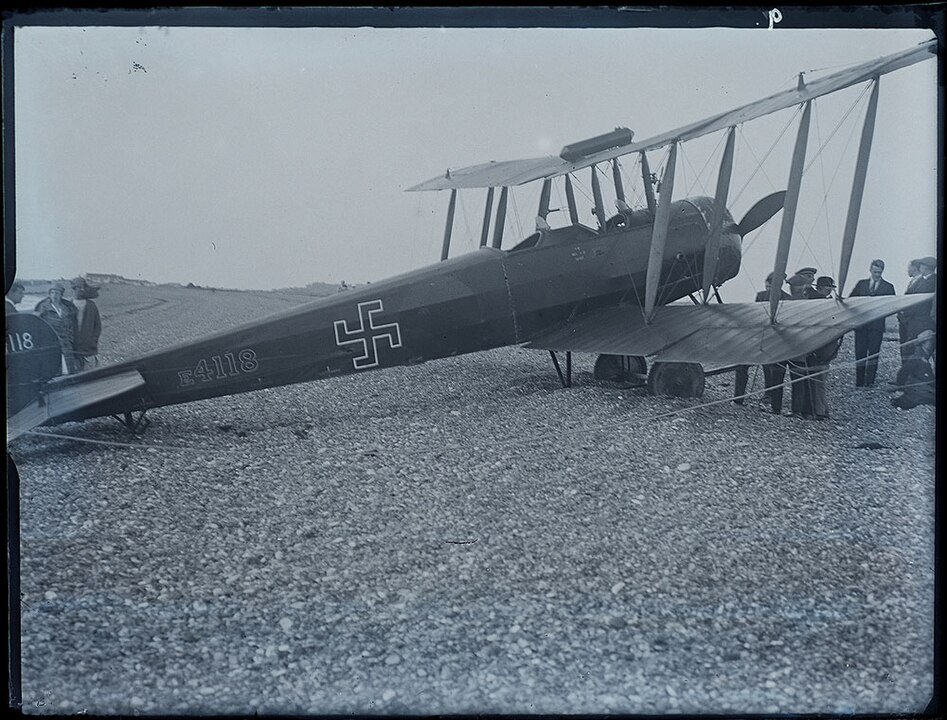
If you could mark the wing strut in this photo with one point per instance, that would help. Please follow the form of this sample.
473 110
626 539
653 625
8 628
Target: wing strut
659 235
544 198
570 198
720 206
616 177
501 218
597 196
646 179
445 248
487 209
789 211
858 187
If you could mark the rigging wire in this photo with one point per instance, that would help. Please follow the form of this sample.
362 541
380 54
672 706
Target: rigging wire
839 124
797 229
759 163
711 156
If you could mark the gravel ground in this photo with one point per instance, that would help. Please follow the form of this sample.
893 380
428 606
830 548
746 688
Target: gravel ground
466 536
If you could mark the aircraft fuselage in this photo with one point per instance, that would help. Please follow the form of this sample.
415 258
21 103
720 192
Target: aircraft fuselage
478 301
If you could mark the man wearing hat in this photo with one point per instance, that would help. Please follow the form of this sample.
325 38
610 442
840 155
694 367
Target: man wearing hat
88 324
868 337
808 391
60 315
914 274
824 287
808 274
773 375
799 286
917 319
817 362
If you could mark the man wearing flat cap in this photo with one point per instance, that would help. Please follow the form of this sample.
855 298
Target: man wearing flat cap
799 285
917 319
868 337
808 273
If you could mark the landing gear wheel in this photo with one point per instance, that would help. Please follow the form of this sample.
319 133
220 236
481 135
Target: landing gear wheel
620 369
674 379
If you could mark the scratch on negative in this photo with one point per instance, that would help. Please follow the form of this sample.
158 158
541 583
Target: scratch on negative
509 294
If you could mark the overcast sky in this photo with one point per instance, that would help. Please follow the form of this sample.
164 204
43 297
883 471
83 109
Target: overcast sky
271 157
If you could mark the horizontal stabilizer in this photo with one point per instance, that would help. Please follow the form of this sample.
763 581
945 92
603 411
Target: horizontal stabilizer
721 335
62 400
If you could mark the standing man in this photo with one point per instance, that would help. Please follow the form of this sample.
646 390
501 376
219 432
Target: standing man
817 362
14 296
914 275
88 325
808 273
799 286
60 315
800 391
773 375
868 337
919 318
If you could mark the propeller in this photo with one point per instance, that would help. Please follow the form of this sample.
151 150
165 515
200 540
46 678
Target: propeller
761 212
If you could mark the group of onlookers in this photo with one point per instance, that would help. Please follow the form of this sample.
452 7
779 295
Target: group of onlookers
77 322
78 325
808 374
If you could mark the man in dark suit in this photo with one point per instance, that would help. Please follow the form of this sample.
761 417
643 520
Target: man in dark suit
869 336
919 318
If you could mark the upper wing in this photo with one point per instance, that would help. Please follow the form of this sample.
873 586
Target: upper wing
62 400
517 172
721 335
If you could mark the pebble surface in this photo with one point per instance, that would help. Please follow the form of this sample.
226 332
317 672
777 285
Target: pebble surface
466 536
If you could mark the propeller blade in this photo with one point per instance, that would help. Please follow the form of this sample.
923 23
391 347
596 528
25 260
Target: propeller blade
761 212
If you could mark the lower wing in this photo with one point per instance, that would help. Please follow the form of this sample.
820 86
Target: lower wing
720 335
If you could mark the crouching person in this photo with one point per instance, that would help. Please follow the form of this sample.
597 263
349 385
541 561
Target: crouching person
916 377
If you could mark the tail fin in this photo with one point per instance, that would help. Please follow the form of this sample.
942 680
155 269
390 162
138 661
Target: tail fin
34 355
34 359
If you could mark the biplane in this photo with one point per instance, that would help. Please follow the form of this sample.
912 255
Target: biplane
607 288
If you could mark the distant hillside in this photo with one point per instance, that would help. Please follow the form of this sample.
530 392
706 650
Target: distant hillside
40 287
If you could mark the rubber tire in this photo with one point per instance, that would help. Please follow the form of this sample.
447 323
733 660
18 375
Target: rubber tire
676 379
